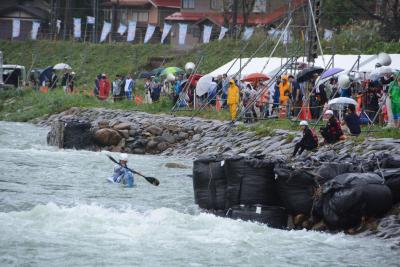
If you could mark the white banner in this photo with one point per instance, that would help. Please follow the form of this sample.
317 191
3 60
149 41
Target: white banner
35 30
149 32
207 34
122 29
328 34
16 28
77 27
222 33
287 37
167 28
131 31
105 31
182 33
248 32
90 20
58 26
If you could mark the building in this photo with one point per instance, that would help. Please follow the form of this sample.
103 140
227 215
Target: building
197 13
27 11
143 11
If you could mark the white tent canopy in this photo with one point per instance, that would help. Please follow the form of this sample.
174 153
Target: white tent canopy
340 61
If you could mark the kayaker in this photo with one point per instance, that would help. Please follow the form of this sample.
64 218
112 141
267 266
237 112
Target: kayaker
121 173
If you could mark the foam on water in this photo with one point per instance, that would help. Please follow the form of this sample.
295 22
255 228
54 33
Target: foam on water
56 209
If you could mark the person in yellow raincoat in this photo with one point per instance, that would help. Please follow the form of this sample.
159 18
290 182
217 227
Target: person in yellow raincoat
285 89
233 99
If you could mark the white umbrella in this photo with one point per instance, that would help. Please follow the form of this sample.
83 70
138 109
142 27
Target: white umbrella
203 84
62 66
340 102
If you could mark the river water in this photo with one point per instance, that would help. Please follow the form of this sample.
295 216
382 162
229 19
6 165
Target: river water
56 209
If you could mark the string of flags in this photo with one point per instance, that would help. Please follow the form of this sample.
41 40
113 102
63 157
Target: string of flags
130 31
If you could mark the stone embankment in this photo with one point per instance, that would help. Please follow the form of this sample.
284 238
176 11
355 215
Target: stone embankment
140 133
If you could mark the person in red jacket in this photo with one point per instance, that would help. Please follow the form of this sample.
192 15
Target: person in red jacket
105 87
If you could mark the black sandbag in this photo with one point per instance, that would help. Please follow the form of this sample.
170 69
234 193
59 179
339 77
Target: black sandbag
330 170
77 134
348 197
392 180
273 216
250 181
296 190
391 161
209 183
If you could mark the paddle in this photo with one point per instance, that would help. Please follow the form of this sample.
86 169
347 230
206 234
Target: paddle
152 180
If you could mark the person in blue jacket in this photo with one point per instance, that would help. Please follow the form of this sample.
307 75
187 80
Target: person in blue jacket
122 174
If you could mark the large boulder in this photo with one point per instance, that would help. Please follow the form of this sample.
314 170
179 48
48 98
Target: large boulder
154 130
107 137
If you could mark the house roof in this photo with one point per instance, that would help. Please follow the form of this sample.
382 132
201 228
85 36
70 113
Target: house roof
218 18
155 3
166 3
36 13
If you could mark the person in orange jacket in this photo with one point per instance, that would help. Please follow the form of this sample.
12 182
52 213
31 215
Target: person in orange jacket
233 99
105 87
285 89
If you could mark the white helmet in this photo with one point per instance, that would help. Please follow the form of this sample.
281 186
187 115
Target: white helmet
170 77
329 112
303 123
124 157
189 66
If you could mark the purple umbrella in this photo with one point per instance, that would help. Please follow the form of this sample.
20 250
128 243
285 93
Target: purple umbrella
331 72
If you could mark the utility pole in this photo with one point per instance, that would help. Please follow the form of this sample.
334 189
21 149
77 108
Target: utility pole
312 51
234 17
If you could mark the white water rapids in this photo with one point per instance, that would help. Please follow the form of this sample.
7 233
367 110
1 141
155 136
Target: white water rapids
56 209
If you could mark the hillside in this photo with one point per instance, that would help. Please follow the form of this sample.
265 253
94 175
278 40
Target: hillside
88 59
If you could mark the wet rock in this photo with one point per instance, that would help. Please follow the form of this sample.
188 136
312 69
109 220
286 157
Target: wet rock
107 137
151 145
122 126
103 124
138 151
174 165
162 146
154 130
124 133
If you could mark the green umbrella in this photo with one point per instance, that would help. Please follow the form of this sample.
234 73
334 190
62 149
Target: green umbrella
173 70
157 71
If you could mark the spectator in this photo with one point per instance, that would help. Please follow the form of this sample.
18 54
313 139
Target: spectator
97 85
105 87
352 121
225 86
116 88
129 83
296 95
394 94
276 96
332 132
309 141
262 100
156 89
147 91
233 99
53 80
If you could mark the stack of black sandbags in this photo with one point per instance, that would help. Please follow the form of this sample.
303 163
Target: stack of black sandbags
273 216
348 197
250 181
209 183
296 189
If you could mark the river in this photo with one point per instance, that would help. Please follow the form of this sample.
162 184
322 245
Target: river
56 209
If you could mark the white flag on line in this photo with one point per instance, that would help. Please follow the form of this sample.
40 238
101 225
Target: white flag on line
287 37
16 28
131 31
90 20
182 33
58 25
222 33
248 32
77 27
166 30
122 29
207 34
105 31
149 32
35 30
328 34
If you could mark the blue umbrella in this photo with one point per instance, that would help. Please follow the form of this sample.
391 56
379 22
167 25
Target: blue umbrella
45 75
331 72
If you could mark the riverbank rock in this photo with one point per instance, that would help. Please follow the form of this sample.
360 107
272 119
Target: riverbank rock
107 137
